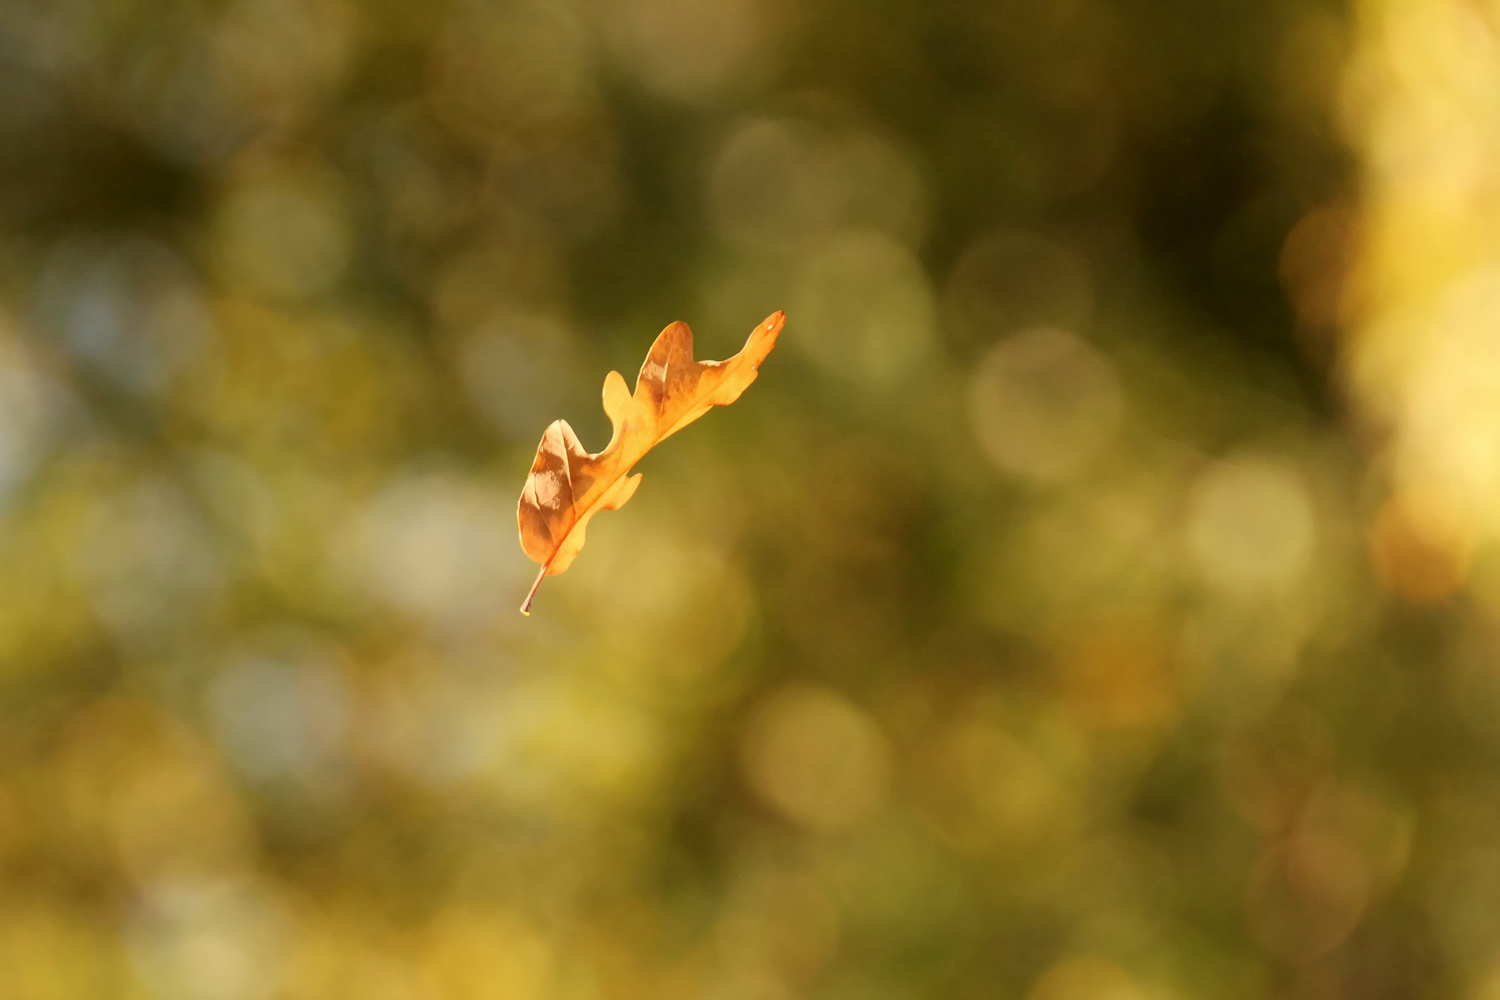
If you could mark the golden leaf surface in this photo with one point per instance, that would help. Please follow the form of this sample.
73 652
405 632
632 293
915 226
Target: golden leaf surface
568 486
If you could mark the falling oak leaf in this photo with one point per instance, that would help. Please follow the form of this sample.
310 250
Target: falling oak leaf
567 485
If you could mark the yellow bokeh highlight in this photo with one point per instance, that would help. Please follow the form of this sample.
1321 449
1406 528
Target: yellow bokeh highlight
1419 104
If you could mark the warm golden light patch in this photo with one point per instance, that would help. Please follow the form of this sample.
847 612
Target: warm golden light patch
1120 676
1420 549
816 759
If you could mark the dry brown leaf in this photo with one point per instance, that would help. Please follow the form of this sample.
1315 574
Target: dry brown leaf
567 485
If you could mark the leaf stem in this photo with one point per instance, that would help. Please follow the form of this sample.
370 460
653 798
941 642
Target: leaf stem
526 605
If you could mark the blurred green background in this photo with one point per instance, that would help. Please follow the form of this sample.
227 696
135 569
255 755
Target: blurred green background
1094 599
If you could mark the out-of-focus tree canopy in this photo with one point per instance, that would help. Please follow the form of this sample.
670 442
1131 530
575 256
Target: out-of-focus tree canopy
1096 597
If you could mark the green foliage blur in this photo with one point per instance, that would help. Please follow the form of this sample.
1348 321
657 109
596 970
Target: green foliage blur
1036 626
